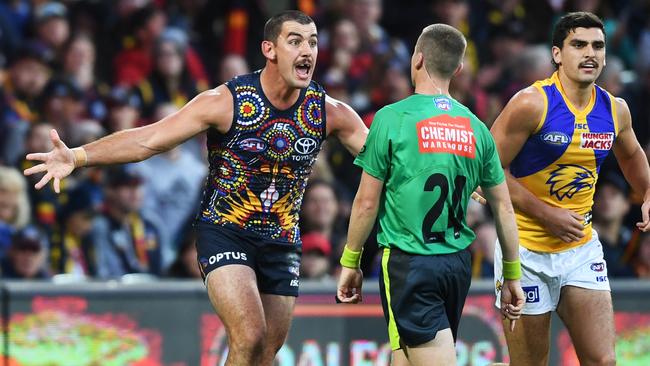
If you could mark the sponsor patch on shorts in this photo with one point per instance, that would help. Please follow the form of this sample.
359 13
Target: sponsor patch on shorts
532 293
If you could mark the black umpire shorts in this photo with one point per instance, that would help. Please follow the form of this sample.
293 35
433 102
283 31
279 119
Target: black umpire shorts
276 264
423 294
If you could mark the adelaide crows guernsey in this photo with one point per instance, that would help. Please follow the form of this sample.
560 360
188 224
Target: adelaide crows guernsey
560 161
259 168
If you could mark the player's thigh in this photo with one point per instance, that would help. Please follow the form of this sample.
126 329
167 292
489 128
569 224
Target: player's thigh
278 312
398 358
439 351
529 344
589 318
233 292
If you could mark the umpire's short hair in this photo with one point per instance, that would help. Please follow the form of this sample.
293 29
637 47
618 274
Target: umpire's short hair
443 48
273 26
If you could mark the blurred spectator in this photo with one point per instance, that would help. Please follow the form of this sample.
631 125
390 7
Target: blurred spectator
52 27
14 205
316 251
611 79
464 89
45 202
186 264
172 199
14 202
133 63
482 250
123 110
71 251
610 207
231 65
28 75
319 210
641 261
125 241
531 64
79 68
62 106
170 81
26 257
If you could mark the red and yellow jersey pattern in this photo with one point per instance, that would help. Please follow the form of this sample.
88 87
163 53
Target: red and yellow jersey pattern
560 161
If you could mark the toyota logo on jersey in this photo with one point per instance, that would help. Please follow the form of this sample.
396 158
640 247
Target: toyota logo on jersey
305 145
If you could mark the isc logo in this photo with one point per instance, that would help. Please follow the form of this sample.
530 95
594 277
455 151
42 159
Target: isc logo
556 138
532 293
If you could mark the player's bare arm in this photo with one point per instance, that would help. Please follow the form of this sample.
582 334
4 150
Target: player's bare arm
512 296
210 108
518 120
344 123
362 219
632 160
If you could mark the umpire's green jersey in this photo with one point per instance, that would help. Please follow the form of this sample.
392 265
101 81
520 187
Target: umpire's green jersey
431 152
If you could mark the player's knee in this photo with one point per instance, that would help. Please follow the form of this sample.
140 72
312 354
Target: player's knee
250 341
607 360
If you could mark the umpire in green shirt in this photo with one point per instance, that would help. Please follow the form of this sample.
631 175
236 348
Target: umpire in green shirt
423 158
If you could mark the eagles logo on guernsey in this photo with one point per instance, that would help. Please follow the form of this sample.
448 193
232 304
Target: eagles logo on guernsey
560 161
259 168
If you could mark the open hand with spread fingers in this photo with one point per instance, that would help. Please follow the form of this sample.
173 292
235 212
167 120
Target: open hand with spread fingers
57 164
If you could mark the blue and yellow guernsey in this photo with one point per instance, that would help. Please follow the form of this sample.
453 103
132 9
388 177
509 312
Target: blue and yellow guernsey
560 161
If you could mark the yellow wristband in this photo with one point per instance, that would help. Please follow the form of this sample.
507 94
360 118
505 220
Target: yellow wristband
350 258
80 157
511 270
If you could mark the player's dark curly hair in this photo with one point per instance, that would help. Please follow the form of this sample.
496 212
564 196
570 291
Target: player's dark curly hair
571 21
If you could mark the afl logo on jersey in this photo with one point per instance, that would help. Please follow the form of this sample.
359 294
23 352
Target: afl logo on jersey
556 138
305 145
442 103
253 144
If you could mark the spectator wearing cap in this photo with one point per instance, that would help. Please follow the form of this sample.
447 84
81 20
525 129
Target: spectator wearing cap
610 207
123 109
28 74
26 258
170 80
316 251
125 241
62 106
72 250
51 25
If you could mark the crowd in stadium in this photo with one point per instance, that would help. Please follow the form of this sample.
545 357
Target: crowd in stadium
91 68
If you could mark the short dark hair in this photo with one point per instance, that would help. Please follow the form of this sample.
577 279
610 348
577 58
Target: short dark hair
273 26
443 48
571 21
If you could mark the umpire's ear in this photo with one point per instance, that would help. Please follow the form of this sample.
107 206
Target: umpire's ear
268 50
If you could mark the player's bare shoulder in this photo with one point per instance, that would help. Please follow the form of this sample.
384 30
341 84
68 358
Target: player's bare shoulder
525 110
214 107
337 113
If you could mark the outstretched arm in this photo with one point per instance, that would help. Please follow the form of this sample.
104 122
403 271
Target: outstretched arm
633 161
210 108
518 120
344 123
